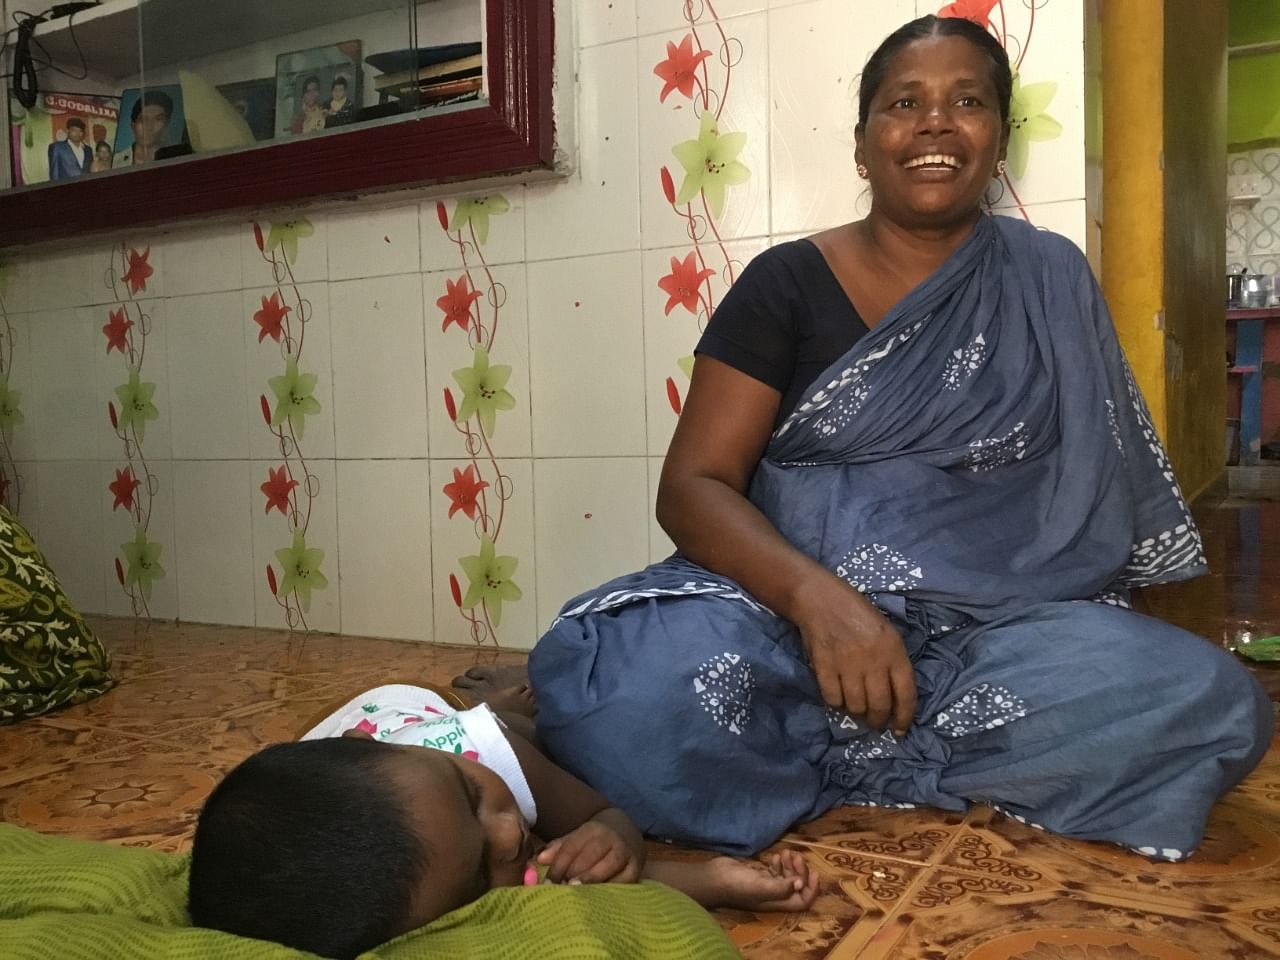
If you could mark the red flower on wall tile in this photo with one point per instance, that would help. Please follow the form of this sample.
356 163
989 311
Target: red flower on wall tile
682 283
123 487
139 270
456 303
277 489
117 331
463 491
271 317
979 11
677 71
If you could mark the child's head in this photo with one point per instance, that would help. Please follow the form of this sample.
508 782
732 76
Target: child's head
337 845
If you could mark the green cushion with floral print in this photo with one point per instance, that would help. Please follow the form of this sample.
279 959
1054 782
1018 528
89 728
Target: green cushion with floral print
49 658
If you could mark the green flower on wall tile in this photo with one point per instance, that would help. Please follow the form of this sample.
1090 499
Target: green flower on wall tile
1028 122
10 405
301 567
143 557
477 212
711 164
483 390
286 235
686 364
490 580
294 400
136 407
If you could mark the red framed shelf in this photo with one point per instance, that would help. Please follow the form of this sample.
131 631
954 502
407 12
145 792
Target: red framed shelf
510 133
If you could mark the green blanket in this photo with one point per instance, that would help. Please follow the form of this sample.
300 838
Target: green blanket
49 657
78 900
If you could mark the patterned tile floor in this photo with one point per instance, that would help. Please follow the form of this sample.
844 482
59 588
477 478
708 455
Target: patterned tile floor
134 766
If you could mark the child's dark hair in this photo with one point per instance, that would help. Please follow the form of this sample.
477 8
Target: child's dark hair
931 26
307 844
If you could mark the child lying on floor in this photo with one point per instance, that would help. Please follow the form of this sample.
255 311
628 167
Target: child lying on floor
354 834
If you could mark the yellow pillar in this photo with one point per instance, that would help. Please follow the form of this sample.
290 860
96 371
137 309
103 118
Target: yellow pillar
1133 188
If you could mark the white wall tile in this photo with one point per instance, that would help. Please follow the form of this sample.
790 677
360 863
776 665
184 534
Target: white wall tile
384 526
308 328
504 243
814 106
202 260
655 17
597 209
120 527
150 332
311 263
604 21
586 357
22 378
62 407
207 376
28 503
14 293
507 506
660 545
61 279
373 242
214 561
738 77
379 367
669 337
69 507
504 302
317 516
590 525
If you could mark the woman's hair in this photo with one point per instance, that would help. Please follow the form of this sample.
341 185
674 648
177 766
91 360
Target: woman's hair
309 845
931 26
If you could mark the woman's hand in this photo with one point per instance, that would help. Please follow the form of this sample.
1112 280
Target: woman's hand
859 658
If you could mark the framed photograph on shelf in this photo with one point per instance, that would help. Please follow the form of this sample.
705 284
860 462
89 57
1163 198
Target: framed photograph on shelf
256 102
318 88
152 122
64 136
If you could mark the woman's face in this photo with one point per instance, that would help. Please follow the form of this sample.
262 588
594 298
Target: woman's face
311 94
933 134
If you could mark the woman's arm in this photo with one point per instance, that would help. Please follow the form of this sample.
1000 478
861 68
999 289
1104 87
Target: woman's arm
858 657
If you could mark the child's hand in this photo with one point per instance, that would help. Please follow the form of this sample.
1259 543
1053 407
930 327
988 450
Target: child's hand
593 853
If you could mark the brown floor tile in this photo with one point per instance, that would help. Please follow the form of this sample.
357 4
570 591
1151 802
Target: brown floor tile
918 835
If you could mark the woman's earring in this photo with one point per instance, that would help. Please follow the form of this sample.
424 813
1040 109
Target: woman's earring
863 172
1000 167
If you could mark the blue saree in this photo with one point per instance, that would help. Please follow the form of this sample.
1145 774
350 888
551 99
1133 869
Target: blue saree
981 466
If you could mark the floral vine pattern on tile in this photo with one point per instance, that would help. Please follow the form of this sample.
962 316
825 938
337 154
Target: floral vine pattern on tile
710 163
1028 120
135 487
291 488
11 482
480 491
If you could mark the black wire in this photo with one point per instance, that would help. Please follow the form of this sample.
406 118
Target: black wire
25 85
26 66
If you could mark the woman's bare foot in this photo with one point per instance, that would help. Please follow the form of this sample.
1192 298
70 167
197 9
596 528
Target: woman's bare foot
486 678
782 883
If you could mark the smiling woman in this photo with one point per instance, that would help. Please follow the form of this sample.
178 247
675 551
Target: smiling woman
912 486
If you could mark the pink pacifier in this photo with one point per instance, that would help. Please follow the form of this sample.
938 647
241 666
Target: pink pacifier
531 876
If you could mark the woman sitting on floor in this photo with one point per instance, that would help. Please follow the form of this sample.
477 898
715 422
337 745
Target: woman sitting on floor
912 487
